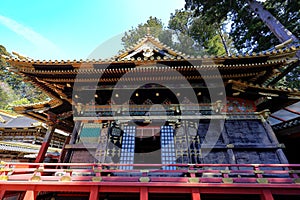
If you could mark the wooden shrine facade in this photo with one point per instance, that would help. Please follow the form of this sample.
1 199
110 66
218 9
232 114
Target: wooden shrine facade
21 138
152 117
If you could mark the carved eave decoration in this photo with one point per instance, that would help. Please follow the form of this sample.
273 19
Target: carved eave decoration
147 57
262 94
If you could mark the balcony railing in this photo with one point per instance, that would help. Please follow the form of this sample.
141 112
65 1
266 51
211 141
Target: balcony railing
152 173
264 180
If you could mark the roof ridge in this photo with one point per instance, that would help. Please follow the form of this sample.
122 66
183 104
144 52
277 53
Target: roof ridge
143 40
7 114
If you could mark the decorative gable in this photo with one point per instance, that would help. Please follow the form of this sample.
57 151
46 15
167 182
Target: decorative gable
147 48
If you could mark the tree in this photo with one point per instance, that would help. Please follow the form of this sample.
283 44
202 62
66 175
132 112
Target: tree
133 35
155 27
3 98
255 26
181 35
251 23
13 88
210 39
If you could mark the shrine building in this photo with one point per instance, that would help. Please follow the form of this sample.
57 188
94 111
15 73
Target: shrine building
154 123
21 138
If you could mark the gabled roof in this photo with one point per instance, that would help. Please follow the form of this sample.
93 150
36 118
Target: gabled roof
149 47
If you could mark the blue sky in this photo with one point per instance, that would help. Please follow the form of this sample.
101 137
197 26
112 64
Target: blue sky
65 29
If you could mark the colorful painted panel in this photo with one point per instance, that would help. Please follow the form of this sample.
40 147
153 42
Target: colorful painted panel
90 133
236 105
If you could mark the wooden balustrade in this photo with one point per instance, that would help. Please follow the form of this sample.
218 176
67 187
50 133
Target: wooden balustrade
187 178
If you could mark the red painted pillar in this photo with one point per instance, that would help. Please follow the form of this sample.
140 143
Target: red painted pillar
196 194
47 139
94 193
2 193
266 195
30 195
144 193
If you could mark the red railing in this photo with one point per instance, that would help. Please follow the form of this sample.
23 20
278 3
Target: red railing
184 173
109 177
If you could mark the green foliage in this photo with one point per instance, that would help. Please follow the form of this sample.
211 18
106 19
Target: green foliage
23 101
293 78
185 33
248 32
3 98
154 27
216 47
13 90
133 35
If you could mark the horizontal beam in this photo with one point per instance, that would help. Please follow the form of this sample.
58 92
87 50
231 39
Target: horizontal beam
158 188
245 116
81 146
88 145
11 165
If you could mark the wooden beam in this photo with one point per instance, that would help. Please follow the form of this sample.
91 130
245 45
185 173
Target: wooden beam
285 72
44 148
63 151
81 146
72 140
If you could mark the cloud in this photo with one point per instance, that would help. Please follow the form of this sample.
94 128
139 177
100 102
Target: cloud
29 34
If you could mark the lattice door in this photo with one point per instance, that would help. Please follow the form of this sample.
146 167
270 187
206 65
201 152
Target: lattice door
167 147
128 144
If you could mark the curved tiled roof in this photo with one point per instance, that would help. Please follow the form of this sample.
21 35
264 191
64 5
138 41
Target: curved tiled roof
275 54
16 121
286 118
245 84
57 77
287 124
23 147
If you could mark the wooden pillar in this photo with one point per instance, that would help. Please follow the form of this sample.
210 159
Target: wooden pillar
270 133
2 193
44 148
30 195
196 194
266 195
283 159
94 193
63 151
72 140
143 193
